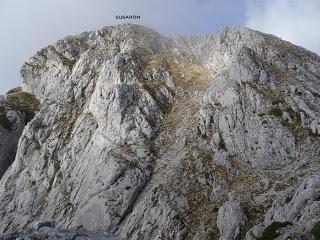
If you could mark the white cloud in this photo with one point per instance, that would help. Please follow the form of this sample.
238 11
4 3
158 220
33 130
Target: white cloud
296 21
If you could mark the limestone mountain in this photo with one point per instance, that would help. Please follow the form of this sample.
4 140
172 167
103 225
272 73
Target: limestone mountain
148 137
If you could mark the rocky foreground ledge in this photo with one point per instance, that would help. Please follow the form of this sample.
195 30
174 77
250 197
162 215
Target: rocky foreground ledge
148 137
46 230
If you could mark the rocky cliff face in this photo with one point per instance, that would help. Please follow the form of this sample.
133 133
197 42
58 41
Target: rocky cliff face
16 109
212 137
11 126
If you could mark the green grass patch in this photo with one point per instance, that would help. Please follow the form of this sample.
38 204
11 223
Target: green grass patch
204 136
275 111
66 61
205 155
288 199
222 144
317 198
271 232
294 115
315 94
316 231
23 102
17 89
277 101
217 104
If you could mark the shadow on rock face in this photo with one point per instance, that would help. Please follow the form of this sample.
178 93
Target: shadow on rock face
17 108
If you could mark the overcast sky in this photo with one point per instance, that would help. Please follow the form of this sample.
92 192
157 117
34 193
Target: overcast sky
29 25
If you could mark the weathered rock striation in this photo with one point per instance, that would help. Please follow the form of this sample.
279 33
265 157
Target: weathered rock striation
149 137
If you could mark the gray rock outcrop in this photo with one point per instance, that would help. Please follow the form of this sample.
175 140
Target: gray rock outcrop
231 218
144 136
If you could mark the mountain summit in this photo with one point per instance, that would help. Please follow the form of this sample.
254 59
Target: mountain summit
148 137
